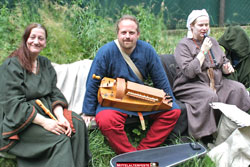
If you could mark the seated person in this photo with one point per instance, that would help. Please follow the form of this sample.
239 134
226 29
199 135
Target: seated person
109 62
237 45
200 78
26 130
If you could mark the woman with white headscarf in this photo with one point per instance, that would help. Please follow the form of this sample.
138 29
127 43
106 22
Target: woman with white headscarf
200 81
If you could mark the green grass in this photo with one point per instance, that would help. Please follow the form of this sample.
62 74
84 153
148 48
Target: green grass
7 162
76 33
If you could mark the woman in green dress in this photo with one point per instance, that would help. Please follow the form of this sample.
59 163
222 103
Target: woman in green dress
26 130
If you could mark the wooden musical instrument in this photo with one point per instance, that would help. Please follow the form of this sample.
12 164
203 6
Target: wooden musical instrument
131 96
47 111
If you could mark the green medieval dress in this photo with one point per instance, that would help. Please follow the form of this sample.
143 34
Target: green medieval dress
33 145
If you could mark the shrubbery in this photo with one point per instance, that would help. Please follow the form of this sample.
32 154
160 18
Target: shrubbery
75 32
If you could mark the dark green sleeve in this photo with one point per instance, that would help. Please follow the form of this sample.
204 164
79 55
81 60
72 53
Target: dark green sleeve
17 113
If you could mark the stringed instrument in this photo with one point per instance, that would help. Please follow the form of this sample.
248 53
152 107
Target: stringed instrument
131 96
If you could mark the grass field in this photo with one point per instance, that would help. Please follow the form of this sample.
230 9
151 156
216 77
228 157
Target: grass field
76 33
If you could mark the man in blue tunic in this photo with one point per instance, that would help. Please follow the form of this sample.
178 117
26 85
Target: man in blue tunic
109 62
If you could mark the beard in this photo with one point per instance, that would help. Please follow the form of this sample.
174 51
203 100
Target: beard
127 44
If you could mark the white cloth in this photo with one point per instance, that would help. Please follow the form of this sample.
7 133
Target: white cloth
235 151
235 114
192 17
232 146
71 80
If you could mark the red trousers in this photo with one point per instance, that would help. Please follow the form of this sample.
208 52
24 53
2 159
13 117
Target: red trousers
111 124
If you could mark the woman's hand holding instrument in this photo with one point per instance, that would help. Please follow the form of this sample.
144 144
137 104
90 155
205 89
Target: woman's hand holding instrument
38 102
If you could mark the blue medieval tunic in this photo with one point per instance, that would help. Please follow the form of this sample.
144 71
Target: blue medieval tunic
109 62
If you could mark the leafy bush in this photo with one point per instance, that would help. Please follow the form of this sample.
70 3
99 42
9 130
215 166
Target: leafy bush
75 32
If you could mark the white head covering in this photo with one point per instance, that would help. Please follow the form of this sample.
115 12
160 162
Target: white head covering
191 18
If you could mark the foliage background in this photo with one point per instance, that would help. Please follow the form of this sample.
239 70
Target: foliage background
76 32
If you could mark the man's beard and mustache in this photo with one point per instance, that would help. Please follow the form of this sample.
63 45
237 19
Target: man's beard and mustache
127 44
